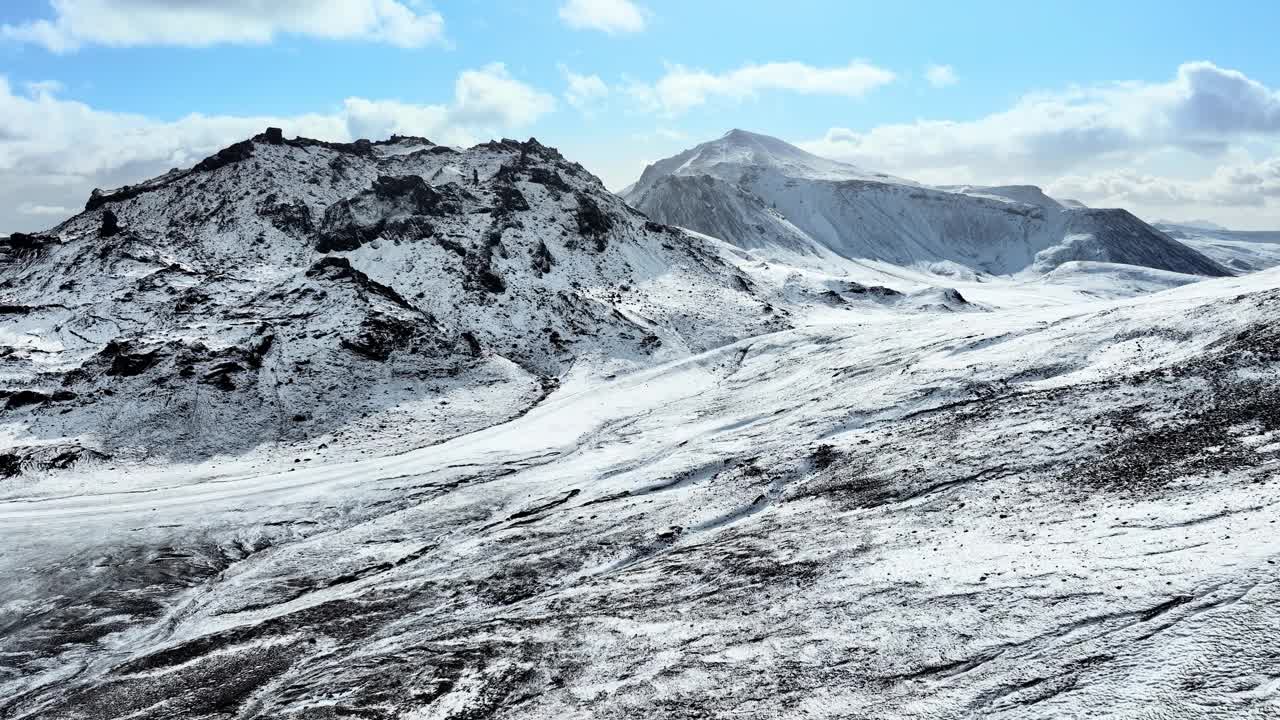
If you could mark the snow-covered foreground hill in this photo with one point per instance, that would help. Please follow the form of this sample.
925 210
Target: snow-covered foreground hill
1061 511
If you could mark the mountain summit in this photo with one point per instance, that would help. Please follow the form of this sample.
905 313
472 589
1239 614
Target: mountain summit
725 156
760 192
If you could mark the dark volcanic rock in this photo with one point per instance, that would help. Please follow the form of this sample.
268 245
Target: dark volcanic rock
292 216
22 243
380 335
125 363
23 398
510 200
110 225
542 259
339 268
593 222
227 156
549 178
98 198
397 207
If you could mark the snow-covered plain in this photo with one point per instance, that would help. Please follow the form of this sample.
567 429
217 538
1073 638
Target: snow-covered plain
929 493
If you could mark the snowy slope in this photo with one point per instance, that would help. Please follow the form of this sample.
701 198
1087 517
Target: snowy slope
1060 512
398 431
288 291
756 191
1241 251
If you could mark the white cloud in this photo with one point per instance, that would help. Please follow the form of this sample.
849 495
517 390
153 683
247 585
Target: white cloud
490 97
28 208
583 91
1251 185
610 16
681 88
1139 143
194 23
54 150
941 76
1203 109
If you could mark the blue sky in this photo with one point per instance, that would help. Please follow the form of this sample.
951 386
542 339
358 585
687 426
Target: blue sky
1170 109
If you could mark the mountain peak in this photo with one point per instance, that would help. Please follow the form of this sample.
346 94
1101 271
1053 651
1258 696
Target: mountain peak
738 151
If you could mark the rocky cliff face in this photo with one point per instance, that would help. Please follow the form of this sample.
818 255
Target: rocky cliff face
284 289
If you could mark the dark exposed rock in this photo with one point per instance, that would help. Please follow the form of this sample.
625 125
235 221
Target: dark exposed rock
230 155
220 376
23 243
110 225
592 221
293 217
379 336
396 207
274 136
411 190
125 363
549 178
339 268
854 288
397 139
23 398
44 457
492 282
360 147
510 200
542 259
652 226
98 198
824 455
473 344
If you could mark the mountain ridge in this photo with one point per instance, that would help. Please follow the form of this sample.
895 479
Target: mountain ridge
760 192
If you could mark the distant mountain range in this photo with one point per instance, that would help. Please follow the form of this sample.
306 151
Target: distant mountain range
1196 224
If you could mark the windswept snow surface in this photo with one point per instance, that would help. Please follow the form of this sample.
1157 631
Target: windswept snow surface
1065 511
759 192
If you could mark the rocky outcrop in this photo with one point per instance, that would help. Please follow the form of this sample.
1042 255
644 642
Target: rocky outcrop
110 225
397 207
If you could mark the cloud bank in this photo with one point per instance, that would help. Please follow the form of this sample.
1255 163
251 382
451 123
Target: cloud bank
1088 141
201 23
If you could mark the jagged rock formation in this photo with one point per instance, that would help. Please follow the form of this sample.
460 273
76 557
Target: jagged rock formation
761 193
284 288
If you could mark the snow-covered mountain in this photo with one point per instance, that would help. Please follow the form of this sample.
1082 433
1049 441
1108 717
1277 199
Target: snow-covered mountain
284 290
1194 224
759 192
1243 251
